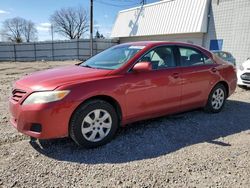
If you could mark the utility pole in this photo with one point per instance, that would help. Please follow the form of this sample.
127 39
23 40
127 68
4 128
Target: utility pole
52 32
91 28
143 2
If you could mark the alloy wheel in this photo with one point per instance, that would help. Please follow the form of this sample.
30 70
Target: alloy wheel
218 98
96 125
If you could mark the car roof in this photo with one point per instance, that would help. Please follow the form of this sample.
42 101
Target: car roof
217 51
146 43
156 43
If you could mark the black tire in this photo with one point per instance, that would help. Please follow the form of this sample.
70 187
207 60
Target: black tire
210 106
242 87
86 110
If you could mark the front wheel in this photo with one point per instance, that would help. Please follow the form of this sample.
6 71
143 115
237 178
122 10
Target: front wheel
93 124
242 86
216 100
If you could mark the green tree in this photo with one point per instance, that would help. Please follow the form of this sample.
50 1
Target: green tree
98 35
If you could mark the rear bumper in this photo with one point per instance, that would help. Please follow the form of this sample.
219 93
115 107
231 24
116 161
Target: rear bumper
53 119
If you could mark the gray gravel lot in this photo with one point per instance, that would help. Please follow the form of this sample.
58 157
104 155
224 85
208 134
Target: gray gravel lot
192 149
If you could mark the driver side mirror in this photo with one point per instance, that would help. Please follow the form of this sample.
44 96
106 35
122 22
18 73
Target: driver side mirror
142 67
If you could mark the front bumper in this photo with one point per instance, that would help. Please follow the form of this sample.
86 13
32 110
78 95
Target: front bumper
243 78
53 118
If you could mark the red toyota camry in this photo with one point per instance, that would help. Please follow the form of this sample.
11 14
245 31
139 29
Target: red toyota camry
123 84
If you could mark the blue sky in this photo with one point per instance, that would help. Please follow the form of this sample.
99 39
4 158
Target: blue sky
39 11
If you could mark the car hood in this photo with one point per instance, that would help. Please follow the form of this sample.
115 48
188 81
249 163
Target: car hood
246 64
53 78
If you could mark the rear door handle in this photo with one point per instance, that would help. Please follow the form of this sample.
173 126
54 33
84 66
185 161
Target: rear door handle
176 75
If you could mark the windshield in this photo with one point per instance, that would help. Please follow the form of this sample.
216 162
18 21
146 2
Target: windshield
112 58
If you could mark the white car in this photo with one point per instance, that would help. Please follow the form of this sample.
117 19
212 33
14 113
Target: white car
243 74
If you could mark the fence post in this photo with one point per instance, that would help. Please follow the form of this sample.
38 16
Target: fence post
95 47
53 58
15 51
78 46
35 50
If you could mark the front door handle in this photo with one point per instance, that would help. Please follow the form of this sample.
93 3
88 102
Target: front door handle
214 70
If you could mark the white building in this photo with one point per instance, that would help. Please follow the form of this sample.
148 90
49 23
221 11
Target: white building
214 24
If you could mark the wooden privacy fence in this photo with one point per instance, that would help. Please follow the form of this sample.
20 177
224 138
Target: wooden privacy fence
57 50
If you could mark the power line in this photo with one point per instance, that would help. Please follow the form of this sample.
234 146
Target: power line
108 4
115 5
122 1
143 2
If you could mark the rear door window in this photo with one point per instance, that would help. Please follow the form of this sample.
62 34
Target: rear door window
192 57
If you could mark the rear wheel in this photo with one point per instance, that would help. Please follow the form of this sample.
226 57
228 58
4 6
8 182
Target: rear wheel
93 124
216 100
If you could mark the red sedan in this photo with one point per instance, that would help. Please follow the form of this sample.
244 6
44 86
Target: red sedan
123 84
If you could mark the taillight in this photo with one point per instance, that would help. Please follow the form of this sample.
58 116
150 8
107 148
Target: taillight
235 69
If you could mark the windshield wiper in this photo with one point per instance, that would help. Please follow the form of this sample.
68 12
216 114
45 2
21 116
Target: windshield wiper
87 66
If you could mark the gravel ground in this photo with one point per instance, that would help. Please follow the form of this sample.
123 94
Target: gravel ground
192 149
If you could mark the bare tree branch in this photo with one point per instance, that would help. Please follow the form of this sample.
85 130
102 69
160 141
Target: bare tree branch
19 30
29 31
70 22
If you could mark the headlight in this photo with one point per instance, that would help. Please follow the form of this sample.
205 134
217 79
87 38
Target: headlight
241 68
45 97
